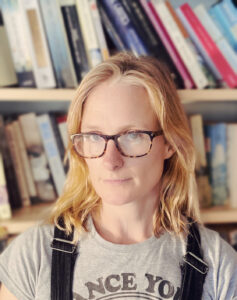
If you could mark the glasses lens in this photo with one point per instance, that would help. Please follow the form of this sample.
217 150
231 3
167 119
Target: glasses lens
89 144
134 143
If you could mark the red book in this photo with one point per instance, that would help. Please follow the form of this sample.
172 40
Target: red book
206 45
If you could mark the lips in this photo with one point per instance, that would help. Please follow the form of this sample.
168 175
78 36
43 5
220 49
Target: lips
117 181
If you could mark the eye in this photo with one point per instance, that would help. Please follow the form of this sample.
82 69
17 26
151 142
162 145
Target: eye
93 137
134 136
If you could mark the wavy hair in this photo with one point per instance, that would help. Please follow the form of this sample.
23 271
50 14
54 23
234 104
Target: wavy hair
176 200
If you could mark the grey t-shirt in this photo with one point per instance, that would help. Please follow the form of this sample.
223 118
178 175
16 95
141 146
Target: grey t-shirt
103 270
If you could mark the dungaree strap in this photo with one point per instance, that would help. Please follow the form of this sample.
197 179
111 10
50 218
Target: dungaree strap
194 269
63 261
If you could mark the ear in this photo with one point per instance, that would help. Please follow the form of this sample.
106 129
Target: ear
169 151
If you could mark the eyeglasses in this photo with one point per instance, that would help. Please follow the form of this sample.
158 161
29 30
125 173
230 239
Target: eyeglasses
135 143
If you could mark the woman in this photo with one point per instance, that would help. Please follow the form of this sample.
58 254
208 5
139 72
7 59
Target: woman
128 196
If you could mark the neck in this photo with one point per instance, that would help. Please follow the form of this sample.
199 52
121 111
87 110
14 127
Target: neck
125 224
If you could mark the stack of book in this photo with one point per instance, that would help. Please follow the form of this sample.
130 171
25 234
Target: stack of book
55 43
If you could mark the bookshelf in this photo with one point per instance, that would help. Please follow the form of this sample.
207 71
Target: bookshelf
40 100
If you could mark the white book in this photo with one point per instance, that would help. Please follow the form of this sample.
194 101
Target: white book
5 208
181 45
52 151
38 46
221 42
89 32
99 29
232 163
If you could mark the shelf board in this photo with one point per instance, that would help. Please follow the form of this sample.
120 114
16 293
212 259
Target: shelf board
26 217
187 96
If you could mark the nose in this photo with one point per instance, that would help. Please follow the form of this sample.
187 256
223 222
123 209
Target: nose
112 158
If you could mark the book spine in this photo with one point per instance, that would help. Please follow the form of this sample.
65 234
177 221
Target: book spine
161 31
37 157
42 66
124 27
5 208
15 28
206 45
88 31
58 44
52 151
76 41
217 36
7 70
224 25
229 10
19 171
25 162
148 34
110 29
232 163
176 36
216 137
99 29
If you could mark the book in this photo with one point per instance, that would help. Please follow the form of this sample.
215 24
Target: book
203 41
99 29
27 171
173 53
75 38
229 10
204 188
187 55
232 163
58 44
11 180
147 32
16 32
52 152
37 43
7 71
37 157
223 23
111 31
89 33
217 36
62 125
5 208
17 163
216 142
124 27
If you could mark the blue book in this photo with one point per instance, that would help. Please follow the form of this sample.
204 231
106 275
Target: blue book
124 26
230 11
58 44
223 23
215 135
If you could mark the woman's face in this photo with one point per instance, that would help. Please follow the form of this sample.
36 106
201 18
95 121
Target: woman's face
110 109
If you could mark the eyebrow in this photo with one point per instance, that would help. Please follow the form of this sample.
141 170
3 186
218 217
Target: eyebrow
121 129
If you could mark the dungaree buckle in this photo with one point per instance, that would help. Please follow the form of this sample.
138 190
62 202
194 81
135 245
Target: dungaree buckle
196 262
63 245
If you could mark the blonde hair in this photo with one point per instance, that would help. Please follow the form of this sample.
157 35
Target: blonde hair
176 201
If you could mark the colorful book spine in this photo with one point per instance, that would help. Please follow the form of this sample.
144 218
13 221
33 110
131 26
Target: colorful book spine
111 31
222 21
5 208
216 35
16 32
217 147
89 32
161 31
37 157
99 29
230 11
58 44
52 152
7 71
75 38
232 163
38 46
207 47
181 45
125 28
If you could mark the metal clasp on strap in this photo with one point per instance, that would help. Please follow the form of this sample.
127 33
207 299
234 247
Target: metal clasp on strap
196 262
60 245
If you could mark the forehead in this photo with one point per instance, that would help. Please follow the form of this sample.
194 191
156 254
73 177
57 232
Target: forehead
115 104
